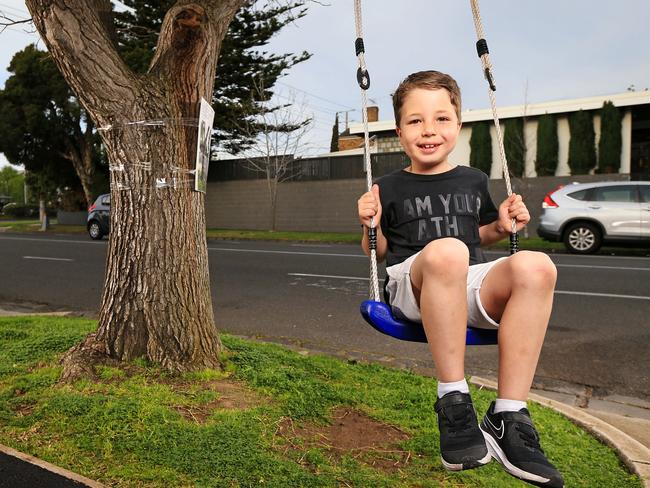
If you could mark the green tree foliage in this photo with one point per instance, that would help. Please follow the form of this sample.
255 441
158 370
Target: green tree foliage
582 145
12 184
515 146
480 144
37 117
334 144
246 75
548 146
610 143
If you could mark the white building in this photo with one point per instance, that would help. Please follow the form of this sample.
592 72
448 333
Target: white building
634 108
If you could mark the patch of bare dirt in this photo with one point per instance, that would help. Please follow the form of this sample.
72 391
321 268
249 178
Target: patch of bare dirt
350 433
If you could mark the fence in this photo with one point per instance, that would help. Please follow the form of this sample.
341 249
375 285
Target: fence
311 169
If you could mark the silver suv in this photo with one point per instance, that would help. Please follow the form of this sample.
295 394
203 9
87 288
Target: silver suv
586 215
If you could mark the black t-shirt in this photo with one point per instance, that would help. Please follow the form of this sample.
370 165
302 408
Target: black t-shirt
417 209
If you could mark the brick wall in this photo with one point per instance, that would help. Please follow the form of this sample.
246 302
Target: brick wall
331 206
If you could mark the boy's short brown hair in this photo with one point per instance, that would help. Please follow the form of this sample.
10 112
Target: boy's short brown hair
429 80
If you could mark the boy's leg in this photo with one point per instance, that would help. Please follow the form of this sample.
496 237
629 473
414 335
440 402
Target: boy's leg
518 293
439 282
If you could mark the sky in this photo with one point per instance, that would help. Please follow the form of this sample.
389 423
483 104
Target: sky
541 51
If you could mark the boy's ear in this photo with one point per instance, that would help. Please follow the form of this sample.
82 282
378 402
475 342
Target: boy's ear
399 134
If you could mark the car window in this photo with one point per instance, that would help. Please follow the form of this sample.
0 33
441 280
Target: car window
106 201
619 193
645 193
579 195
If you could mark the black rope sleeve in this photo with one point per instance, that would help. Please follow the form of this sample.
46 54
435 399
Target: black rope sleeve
372 238
514 242
482 47
358 45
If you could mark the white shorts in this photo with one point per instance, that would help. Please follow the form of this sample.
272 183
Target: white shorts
404 305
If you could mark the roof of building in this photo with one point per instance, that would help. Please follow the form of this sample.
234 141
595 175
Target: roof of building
625 99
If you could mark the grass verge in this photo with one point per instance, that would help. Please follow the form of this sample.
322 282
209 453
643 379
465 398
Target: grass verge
29 226
271 418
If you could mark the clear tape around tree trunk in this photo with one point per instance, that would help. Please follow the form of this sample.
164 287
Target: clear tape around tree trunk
170 121
159 184
127 177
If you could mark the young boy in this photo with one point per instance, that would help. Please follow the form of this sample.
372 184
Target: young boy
433 217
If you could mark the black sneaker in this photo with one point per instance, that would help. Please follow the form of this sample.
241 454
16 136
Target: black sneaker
462 445
513 441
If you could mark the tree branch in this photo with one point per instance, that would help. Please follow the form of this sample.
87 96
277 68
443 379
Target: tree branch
189 40
75 33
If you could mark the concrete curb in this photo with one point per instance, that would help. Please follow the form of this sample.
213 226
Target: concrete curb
633 454
50 467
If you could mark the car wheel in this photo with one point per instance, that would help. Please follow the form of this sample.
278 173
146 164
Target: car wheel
95 231
582 238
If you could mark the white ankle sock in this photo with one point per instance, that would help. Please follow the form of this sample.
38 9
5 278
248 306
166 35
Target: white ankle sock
444 388
503 405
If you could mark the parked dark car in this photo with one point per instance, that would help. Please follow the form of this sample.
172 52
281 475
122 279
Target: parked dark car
98 222
586 215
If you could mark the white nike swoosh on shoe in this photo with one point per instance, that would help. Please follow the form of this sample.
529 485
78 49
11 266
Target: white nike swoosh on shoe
499 430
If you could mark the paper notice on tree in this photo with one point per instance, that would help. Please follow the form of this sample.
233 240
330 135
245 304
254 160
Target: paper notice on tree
206 118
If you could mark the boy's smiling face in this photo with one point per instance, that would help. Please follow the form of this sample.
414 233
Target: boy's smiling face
428 129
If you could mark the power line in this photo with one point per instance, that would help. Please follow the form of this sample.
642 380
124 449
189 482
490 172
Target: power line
15 10
314 95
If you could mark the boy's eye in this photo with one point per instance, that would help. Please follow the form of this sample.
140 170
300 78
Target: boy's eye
414 121
443 119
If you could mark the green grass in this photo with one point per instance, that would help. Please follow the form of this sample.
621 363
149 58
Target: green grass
35 226
267 235
127 429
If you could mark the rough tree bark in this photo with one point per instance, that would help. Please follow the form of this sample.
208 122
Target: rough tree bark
156 302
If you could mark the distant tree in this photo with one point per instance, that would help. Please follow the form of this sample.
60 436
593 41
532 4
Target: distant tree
12 184
38 107
241 62
582 144
610 143
334 144
279 143
515 146
480 144
546 159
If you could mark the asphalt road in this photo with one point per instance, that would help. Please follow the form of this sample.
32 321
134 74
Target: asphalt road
599 335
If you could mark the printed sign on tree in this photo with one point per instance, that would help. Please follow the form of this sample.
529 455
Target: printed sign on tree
206 118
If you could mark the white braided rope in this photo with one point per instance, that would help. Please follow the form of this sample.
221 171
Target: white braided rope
374 278
487 67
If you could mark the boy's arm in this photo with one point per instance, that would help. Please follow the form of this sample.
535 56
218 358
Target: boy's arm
512 207
491 233
382 243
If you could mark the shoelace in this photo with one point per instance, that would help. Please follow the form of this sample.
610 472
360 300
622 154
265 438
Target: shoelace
459 420
529 436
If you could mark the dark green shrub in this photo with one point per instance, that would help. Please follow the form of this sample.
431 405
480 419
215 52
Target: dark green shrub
582 145
515 146
480 144
548 146
610 143
20 211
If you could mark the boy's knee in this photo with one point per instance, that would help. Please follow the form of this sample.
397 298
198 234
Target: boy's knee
533 268
448 256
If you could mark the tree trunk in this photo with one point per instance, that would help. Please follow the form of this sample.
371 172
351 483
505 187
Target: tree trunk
42 214
156 302
80 154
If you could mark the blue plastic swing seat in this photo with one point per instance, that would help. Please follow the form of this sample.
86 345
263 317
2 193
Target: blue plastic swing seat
380 316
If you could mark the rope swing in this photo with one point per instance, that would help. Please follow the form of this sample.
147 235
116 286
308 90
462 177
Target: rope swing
378 314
